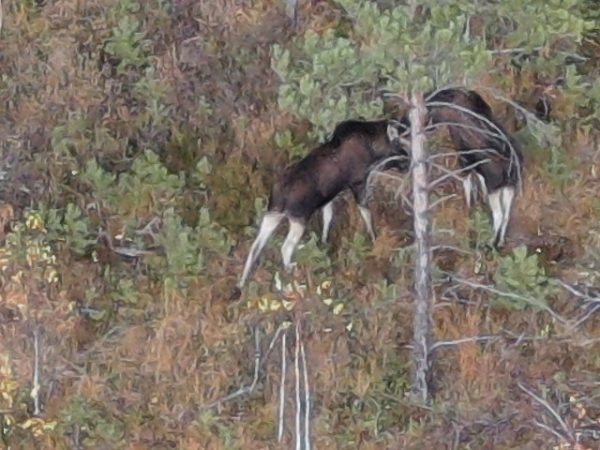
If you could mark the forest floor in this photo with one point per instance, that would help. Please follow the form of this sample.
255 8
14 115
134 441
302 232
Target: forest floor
138 146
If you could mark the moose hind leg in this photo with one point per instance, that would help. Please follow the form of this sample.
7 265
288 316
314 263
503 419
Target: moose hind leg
327 213
468 187
267 227
507 196
497 215
291 241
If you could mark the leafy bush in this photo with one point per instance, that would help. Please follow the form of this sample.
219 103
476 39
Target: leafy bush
521 274
127 41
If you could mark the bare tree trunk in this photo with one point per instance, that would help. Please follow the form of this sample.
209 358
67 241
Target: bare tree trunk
422 225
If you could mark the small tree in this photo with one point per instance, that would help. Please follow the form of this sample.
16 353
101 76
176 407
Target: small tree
405 51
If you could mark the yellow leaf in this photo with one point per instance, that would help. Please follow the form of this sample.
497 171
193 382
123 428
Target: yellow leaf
338 308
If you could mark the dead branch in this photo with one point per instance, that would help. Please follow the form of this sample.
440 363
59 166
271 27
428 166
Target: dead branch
35 390
577 293
568 432
464 152
297 374
441 200
493 290
453 173
440 344
306 398
282 387
440 89
246 389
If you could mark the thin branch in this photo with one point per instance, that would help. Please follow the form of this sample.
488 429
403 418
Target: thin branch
586 316
35 390
465 152
297 373
504 51
493 290
577 293
550 430
439 344
441 200
306 398
549 408
282 387
454 173
246 389
443 88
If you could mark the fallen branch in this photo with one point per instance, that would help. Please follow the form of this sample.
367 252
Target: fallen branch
493 290
440 344
282 387
568 432
297 373
306 398
35 390
246 389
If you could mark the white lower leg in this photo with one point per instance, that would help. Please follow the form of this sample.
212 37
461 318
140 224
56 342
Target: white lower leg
327 213
507 197
267 227
368 219
291 241
496 207
484 190
468 188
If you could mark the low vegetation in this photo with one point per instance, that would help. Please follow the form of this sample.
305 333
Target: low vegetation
140 140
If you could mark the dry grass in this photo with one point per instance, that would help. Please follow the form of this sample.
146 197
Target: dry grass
133 352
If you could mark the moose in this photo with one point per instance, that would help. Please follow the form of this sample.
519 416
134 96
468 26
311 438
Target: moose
354 150
486 150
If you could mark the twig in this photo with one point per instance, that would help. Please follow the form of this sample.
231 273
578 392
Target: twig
1 16
552 431
35 390
549 408
586 316
306 398
246 389
493 290
282 387
504 51
441 200
577 293
464 152
297 373
443 88
440 344
453 173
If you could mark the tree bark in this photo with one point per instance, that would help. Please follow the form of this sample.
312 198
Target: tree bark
422 225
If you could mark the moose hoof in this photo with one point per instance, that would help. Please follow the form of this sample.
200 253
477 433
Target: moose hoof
235 294
290 267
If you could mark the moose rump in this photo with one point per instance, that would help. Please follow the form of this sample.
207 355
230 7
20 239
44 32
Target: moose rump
485 148
343 162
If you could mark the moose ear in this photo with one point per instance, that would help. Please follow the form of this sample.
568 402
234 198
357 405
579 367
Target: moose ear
392 132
